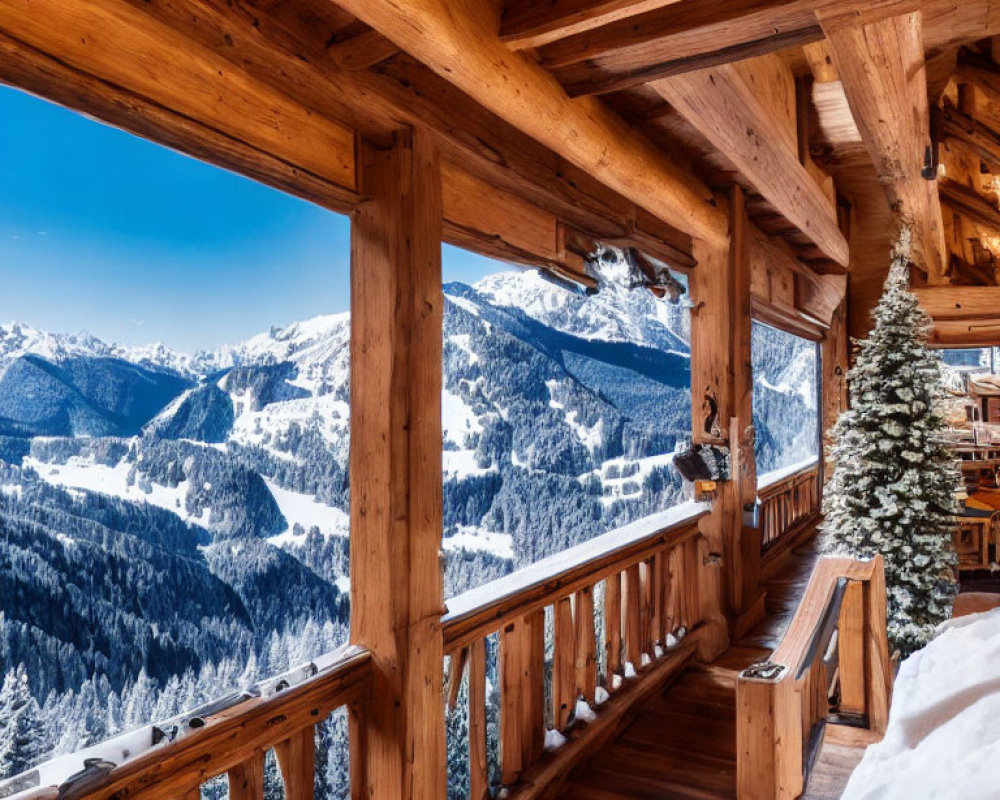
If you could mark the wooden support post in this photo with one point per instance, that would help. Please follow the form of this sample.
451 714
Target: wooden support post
744 567
612 627
768 740
585 666
851 650
478 764
246 781
878 677
297 761
395 462
712 409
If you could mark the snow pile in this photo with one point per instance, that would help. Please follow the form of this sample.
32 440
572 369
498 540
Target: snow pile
943 740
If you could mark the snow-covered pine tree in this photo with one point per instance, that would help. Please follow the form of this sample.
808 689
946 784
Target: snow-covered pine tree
893 485
24 740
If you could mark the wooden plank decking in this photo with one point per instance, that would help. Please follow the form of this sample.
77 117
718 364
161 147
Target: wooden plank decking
682 744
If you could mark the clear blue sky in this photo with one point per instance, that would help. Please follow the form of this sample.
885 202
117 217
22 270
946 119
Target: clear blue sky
106 232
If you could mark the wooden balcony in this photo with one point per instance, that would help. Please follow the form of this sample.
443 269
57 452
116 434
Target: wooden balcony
789 501
608 688
767 150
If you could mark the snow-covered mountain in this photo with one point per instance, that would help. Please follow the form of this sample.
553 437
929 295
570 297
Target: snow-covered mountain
785 396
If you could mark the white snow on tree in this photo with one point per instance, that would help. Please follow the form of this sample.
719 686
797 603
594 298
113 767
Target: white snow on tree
21 730
893 485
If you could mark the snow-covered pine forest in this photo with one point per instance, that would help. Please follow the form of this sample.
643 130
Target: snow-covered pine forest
174 525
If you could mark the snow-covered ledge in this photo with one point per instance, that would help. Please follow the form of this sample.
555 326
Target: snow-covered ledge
943 739
549 569
777 475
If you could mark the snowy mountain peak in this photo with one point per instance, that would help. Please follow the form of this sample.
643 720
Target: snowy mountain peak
18 339
614 314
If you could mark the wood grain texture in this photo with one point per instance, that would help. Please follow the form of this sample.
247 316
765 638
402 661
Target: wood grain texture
297 761
246 780
732 109
396 313
691 35
529 23
455 40
712 408
976 303
134 52
478 763
585 661
563 664
881 66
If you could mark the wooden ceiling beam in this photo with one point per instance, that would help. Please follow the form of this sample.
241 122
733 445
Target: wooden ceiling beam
984 332
477 216
881 66
984 73
530 23
971 134
732 114
29 69
970 204
457 40
675 39
960 302
695 34
299 62
128 51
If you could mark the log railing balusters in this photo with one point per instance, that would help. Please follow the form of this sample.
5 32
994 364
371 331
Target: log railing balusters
787 504
637 596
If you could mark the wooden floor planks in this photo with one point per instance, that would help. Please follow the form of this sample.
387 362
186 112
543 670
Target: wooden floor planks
683 744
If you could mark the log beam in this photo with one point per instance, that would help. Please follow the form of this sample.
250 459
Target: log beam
253 49
982 332
970 204
729 111
971 134
693 34
960 302
881 66
458 41
130 52
395 456
528 23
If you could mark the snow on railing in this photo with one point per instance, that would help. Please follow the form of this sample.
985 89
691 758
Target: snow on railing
89 770
766 479
550 569
585 629
787 499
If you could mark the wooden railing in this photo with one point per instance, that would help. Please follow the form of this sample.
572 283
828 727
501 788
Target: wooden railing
572 643
786 502
832 665
579 638
171 760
